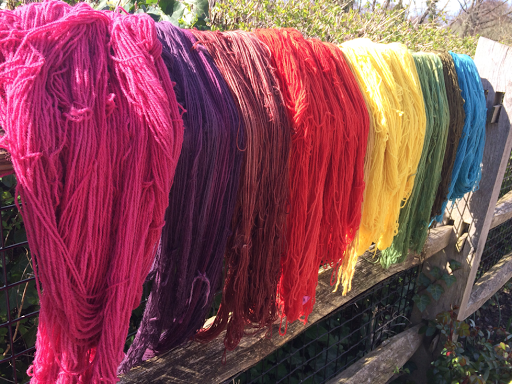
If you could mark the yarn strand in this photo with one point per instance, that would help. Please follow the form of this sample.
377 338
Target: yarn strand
254 249
93 129
188 268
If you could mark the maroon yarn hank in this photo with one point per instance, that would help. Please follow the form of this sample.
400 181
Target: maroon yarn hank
255 247
188 268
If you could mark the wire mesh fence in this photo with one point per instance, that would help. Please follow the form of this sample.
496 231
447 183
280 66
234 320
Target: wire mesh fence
19 306
499 239
316 355
341 338
498 244
506 185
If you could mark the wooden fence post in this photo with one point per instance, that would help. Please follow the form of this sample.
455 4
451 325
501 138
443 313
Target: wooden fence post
474 213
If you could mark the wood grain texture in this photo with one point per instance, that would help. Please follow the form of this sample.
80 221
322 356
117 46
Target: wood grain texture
377 367
493 61
503 210
5 162
196 363
490 283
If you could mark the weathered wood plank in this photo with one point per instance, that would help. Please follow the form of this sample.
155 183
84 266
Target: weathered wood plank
377 367
503 210
5 162
490 283
202 362
493 61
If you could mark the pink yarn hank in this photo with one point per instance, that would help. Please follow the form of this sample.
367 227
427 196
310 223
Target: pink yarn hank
94 131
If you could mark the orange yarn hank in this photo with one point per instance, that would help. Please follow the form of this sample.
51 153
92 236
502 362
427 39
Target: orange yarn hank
330 127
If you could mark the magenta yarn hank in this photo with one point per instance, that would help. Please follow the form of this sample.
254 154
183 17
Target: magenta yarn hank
188 269
94 131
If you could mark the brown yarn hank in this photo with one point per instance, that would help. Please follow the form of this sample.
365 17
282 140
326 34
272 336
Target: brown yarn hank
255 246
457 116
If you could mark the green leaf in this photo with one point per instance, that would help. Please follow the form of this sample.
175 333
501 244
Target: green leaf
177 13
430 331
454 265
436 291
463 329
167 6
30 336
449 279
9 181
422 301
423 280
436 273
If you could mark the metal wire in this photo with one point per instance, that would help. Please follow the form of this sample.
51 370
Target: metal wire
499 239
506 185
20 308
498 244
335 342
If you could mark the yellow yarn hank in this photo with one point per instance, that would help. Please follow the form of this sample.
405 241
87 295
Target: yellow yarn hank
387 75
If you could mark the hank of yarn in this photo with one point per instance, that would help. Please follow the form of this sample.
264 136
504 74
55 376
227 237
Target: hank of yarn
415 215
467 168
457 115
388 77
94 132
303 86
344 186
257 241
188 268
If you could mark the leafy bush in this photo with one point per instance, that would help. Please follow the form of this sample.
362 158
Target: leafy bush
470 354
333 21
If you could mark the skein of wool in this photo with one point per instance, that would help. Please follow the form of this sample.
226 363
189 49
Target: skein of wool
467 170
312 75
94 132
456 107
387 75
304 97
257 241
344 186
415 215
188 268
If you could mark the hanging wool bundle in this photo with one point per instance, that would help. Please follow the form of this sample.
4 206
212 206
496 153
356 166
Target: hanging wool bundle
456 107
302 85
415 215
94 132
255 246
312 76
387 75
344 186
188 268
467 171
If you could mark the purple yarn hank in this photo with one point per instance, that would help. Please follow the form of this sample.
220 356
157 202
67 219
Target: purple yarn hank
188 267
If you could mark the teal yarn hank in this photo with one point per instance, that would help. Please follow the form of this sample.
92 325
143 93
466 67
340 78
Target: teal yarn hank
415 215
467 170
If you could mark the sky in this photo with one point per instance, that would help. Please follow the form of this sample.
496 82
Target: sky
452 6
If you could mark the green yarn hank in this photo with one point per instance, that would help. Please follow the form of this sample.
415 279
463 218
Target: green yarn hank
416 214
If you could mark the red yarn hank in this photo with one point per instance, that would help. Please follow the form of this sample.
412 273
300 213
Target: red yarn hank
254 249
322 182
94 133
344 186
